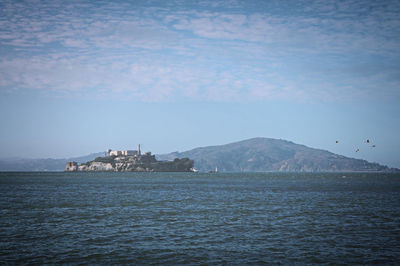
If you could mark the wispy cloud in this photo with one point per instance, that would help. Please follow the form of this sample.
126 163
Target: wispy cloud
158 51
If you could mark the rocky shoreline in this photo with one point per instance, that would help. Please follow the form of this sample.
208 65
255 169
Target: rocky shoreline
132 163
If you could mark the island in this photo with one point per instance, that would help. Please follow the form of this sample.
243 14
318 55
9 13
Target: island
131 161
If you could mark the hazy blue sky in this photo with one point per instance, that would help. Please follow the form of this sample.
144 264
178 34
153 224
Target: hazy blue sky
83 76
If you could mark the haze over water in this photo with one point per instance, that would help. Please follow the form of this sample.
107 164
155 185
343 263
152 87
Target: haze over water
176 218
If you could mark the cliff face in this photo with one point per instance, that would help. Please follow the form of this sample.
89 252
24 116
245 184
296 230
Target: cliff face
95 166
71 166
145 163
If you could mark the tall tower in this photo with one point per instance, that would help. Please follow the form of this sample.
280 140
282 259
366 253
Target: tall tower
139 150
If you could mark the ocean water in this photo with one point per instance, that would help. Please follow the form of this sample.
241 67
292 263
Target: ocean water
191 218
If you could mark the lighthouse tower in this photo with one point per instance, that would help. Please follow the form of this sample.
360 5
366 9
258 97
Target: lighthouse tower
139 150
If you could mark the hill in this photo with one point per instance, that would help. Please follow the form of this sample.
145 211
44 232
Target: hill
26 164
252 155
266 154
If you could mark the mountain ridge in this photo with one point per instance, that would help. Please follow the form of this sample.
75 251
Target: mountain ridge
251 155
42 164
266 154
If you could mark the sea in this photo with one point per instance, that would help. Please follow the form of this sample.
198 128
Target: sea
199 218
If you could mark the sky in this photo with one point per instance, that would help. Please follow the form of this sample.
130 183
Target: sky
78 77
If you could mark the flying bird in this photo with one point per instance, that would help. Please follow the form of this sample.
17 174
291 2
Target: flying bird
367 141
357 149
337 141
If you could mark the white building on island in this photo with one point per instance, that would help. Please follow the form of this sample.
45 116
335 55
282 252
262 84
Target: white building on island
124 152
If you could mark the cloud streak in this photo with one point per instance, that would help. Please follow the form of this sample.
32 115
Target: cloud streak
204 52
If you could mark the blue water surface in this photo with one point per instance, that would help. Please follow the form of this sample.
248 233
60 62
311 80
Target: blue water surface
192 218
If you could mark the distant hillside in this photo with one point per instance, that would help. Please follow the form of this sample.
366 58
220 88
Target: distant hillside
265 154
252 155
24 164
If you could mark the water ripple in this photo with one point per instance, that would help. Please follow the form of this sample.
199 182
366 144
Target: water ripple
170 218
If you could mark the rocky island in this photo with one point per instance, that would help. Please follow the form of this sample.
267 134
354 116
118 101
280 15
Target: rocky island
131 161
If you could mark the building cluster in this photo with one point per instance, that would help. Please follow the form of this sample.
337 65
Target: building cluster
124 152
129 160
115 160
